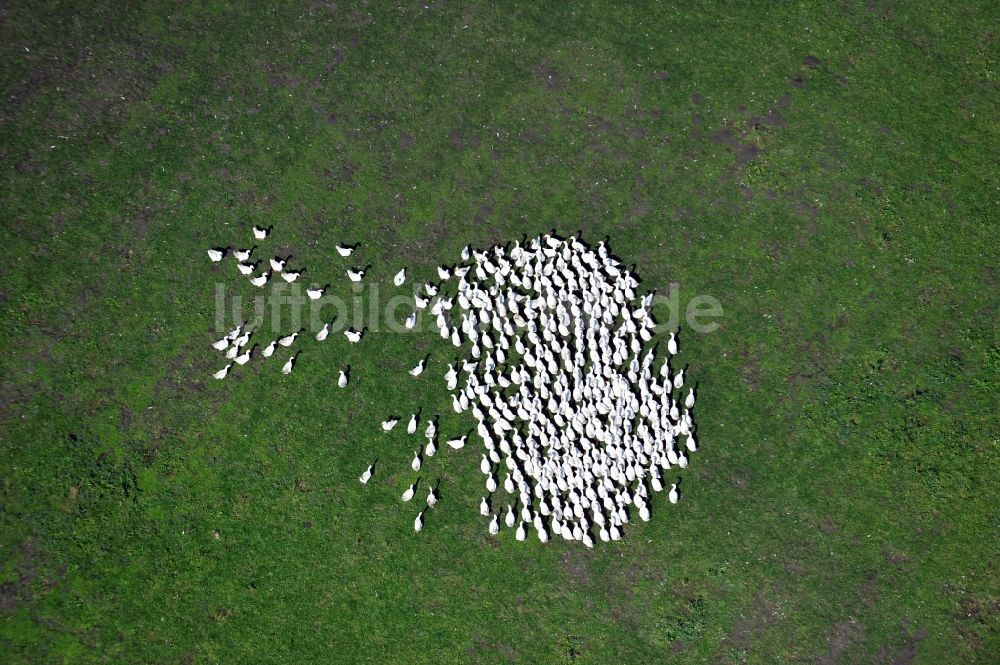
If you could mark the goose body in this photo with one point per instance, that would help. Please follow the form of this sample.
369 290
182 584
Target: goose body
345 250
387 425
261 279
287 369
291 276
367 475
221 374
400 277
260 233
355 275
408 494
418 370
216 254
353 336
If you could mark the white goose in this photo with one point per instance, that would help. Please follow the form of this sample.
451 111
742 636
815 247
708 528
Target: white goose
221 374
345 250
419 369
354 336
367 475
260 233
216 254
408 494
387 425
287 369
400 277
288 340
418 523
261 279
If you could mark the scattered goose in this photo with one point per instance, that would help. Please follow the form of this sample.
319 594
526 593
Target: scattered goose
222 344
354 336
260 233
415 464
673 495
355 275
261 279
494 526
367 475
244 357
419 369
431 497
345 250
411 427
216 254
400 277
292 276
221 374
278 264
246 268
342 380
287 369
315 294
408 494
288 340
323 332
457 443
418 523
269 349
389 424
411 321
242 255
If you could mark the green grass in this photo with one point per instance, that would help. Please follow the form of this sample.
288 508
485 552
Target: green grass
844 503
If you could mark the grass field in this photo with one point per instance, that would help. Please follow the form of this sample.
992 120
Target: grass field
828 171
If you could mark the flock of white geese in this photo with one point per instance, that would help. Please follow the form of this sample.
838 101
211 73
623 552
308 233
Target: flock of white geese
575 412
